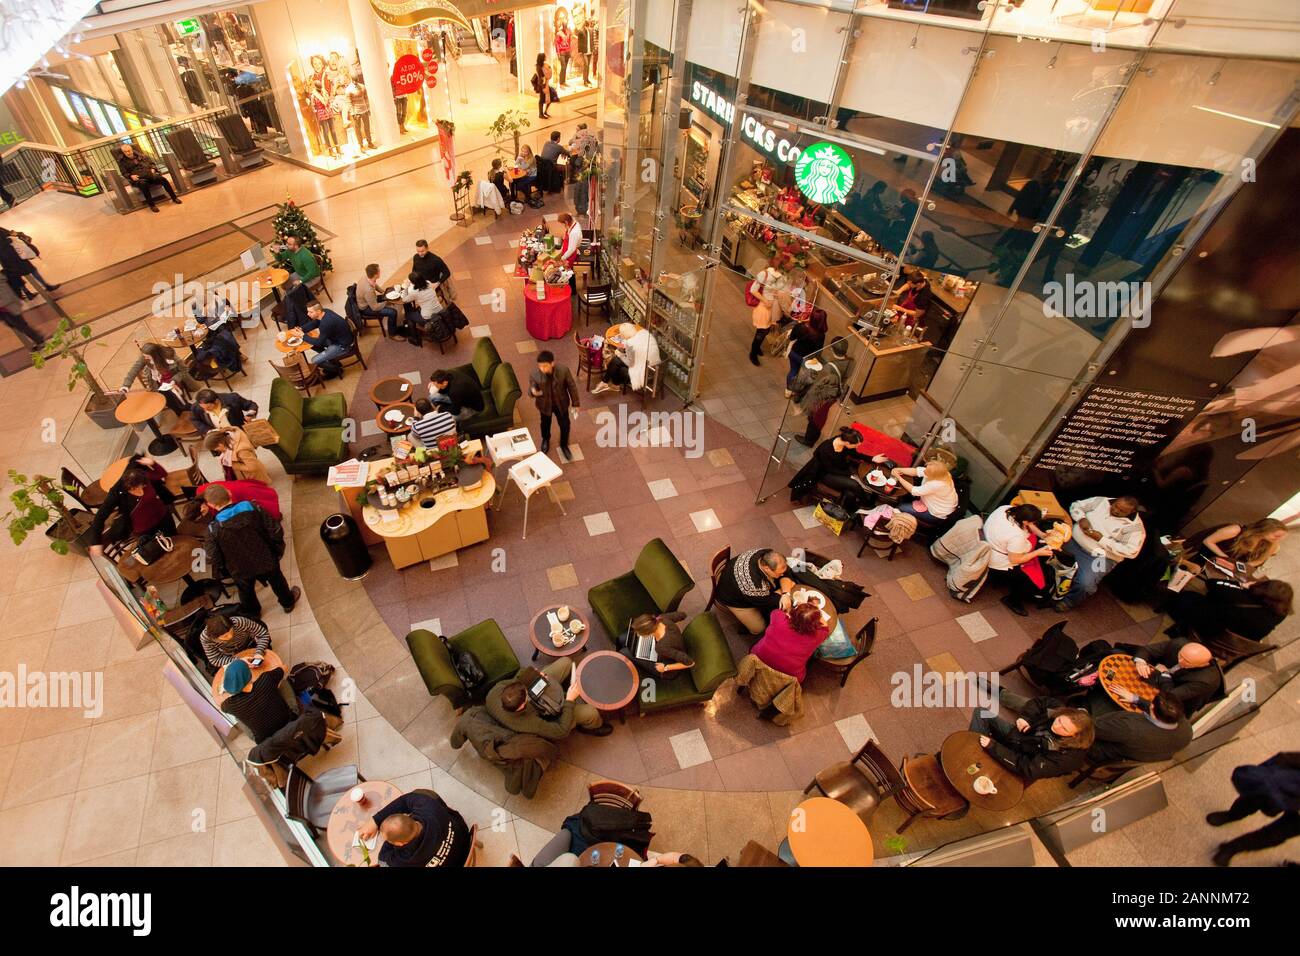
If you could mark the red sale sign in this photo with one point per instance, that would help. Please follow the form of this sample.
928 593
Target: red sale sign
407 74
426 55
431 82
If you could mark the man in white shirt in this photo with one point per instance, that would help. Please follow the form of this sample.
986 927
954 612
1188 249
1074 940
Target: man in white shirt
569 252
1106 532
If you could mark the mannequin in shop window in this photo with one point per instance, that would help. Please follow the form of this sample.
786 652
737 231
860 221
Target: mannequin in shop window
340 101
588 34
320 102
563 42
360 104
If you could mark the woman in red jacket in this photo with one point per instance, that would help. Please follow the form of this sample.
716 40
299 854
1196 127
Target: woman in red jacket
791 638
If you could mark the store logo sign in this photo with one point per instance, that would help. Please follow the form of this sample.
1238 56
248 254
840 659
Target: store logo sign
762 137
824 173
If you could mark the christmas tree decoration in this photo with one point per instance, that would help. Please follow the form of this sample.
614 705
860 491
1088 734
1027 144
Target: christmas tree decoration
290 220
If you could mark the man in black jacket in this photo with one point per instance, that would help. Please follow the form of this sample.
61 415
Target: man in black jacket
211 410
429 264
1156 733
141 173
555 393
753 585
256 704
246 543
419 830
1183 668
457 391
332 339
1048 739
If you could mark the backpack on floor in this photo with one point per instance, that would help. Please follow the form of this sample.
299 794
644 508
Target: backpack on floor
537 202
307 676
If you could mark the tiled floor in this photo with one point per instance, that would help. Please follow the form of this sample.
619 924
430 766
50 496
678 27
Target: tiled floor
143 784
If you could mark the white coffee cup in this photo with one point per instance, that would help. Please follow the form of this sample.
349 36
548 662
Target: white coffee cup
357 794
983 784
563 613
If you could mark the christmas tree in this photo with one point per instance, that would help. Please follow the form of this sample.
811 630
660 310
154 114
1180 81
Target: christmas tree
292 221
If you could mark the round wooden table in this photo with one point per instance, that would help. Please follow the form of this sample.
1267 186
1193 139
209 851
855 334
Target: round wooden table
390 391
828 606
113 473
549 318
1119 671
179 335
176 565
271 278
139 407
539 632
608 681
347 816
602 854
284 348
399 427
963 760
269 663
825 832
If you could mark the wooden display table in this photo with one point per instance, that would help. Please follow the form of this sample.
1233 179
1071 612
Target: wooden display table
432 524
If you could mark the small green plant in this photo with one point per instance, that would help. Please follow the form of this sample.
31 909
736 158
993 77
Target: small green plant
464 181
36 501
896 845
510 123
67 342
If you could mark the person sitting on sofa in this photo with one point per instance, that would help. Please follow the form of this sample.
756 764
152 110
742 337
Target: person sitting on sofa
669 646
457 392
509 704
1048 739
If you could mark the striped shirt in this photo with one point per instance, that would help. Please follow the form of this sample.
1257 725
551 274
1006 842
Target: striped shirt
244 633
432 427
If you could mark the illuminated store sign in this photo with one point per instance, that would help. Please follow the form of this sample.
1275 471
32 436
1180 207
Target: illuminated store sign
824 173
762 137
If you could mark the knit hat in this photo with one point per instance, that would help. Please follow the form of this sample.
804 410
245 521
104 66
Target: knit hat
237 675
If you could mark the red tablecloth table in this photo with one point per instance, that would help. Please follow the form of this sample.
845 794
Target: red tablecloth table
549 318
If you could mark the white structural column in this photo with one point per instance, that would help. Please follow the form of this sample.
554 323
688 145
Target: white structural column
374 66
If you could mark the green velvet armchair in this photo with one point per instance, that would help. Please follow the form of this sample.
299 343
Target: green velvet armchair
484 640
483 363
707 644
498 413
655 585
310 429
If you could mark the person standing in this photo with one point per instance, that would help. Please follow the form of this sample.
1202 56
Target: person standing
546 94
143 175
16 257
246 544
588 33
764 291
569 251
555 393
824 387
360 104
808 337
1271 788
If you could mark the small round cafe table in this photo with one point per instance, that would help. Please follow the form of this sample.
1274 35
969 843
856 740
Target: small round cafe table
140 407
395 426
176 565
296 352
539 632
1119 672
825 832
549 318
113 473
270 661
964 761
603 855
608 681
390 391
348 815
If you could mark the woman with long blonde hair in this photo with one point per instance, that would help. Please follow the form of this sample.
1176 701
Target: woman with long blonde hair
1232 544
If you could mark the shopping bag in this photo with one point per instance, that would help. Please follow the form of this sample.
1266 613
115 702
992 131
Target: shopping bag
832 517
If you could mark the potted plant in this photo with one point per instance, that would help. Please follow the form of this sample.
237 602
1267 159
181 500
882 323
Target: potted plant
449 453
35 502
66 343
510 123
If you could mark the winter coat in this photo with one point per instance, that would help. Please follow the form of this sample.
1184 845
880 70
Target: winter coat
768 687
244 541
558 390
522 758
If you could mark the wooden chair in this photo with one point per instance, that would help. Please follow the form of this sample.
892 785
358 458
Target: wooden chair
716 565
318 283
354 357
184 430
927 792
515 861
862 783
611 793
359 320
878 539
864 641
1231 649
89 496
585 362
189 477
302 380
594 297
755 854
654 378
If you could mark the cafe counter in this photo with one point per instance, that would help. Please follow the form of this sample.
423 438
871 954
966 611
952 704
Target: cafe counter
432 523
892 364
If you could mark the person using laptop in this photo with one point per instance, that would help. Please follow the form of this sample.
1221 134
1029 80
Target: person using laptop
535 702
657 645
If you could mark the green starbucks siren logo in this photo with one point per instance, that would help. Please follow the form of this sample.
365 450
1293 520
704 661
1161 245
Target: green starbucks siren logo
824 173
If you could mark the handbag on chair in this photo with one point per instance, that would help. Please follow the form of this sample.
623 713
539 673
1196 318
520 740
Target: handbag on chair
152 547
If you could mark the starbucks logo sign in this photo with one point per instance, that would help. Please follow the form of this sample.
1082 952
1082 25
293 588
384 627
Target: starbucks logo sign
824 173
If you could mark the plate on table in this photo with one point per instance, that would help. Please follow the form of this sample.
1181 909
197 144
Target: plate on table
876 479
392 295
394 415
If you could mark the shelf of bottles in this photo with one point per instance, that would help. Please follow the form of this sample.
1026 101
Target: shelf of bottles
674 326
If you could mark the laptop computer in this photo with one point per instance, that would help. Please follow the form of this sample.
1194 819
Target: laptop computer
254 257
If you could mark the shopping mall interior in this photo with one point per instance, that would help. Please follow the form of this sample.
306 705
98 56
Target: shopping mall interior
908 391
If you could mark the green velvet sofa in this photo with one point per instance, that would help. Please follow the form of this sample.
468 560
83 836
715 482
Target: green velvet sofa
310 429
500 387
484 640
655 585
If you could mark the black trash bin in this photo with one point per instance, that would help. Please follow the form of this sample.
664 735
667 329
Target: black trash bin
343 541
